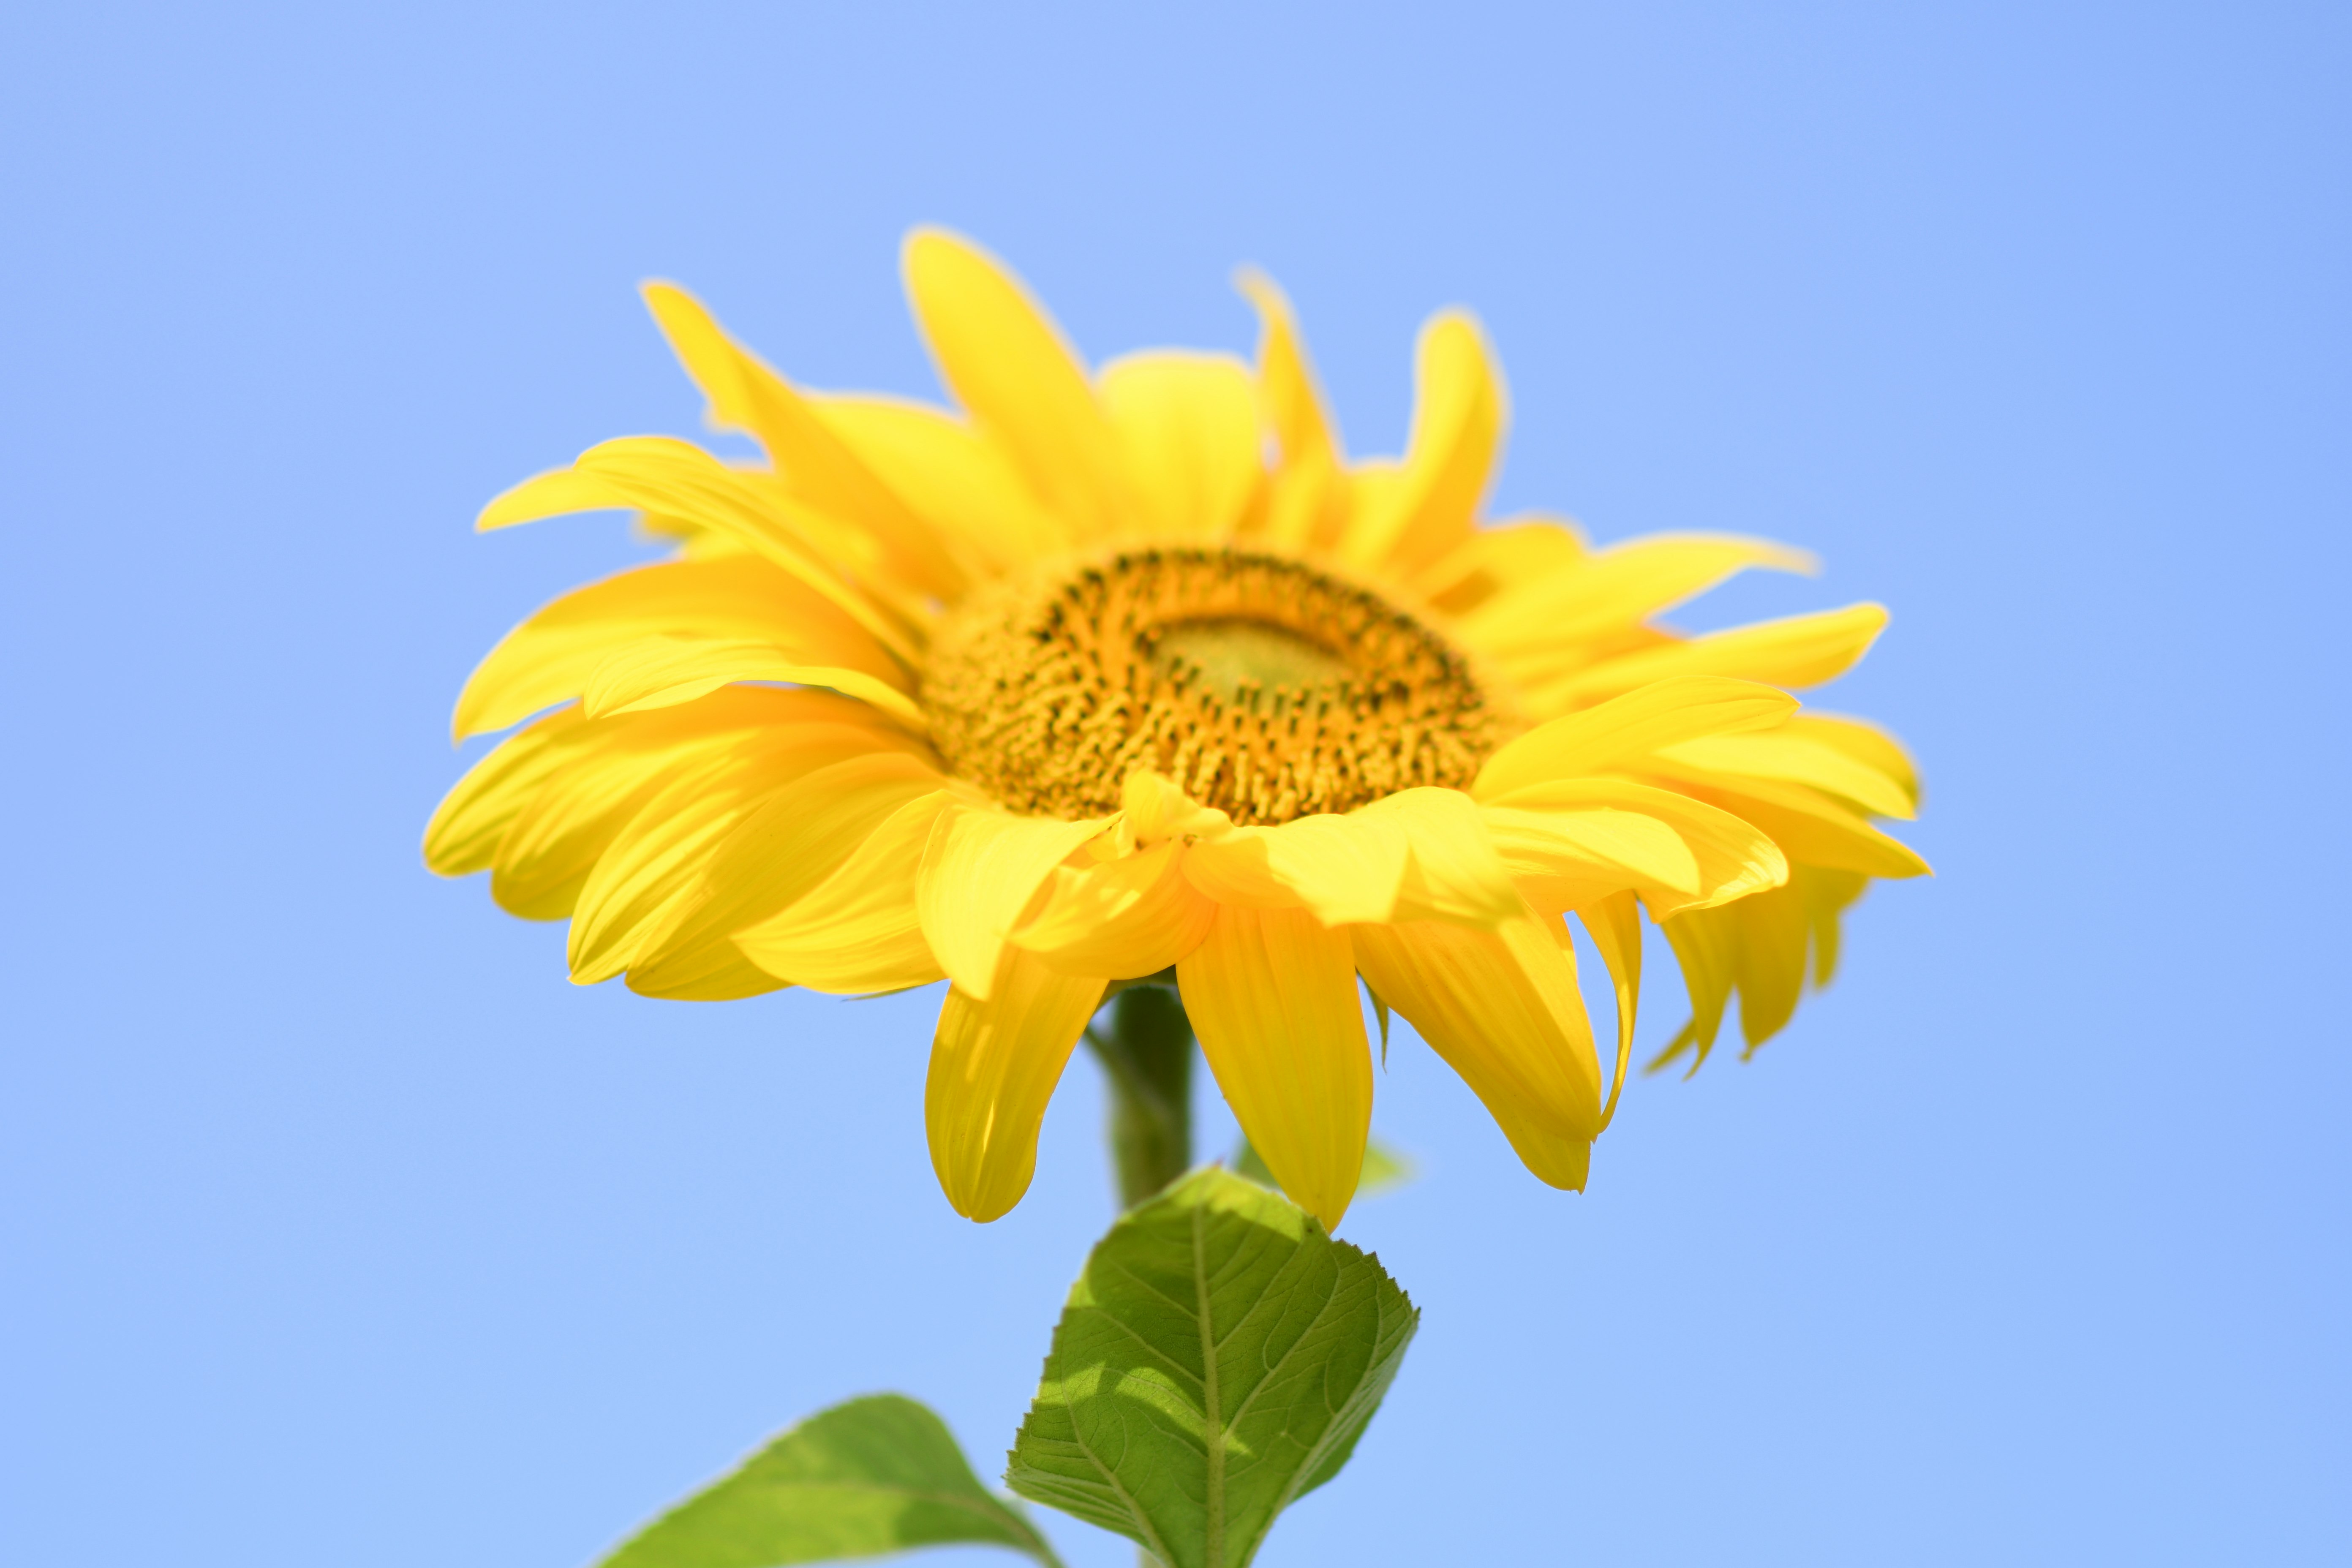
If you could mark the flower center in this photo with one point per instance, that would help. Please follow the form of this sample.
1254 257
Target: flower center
1258 684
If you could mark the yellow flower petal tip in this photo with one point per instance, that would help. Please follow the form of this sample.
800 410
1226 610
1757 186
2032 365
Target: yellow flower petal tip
1113 667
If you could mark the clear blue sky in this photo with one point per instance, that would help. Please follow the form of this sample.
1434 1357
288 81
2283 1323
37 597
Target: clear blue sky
339 1230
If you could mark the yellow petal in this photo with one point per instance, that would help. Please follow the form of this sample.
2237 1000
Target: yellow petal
856 934
1565 857
1819 831
1459 411
1272 995
1781 756
960 482
1308 497
555 493
1703 941
1294 405
1156 808
1306 506
1733 858
662 672
551 656
1188 427
1628 727
694 541
1865 742
1453 872
1008 365
545 858
1502 1007
1420 853
656 474
1757 948
1236 868
1624 583
747 395
779 851
994 1064
1495 558
1344 868
1774 935
1802 650
1827 893
980 870
1614 924
654 865
1123 919
475 815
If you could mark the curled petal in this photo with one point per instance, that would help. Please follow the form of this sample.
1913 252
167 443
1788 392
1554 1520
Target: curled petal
994 1063
1123 919
1157 809
1420 853
1614 924
1343 869
1307 501
1272 995
980 868
1453 871
1293 406
1760 948
1459 412
1502 1008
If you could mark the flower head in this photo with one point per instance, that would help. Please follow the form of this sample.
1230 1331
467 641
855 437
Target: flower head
1118 672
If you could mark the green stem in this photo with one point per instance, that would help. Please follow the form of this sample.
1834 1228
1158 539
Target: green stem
1145 1044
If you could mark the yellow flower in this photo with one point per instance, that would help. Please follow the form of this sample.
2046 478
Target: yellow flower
1134 669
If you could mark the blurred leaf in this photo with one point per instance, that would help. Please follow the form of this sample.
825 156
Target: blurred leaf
1218 1360
1384 1168
873 1475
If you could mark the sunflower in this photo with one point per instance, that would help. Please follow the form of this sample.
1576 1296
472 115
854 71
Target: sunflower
1114 675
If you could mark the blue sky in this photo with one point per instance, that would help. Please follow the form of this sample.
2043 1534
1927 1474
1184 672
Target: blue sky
340 1229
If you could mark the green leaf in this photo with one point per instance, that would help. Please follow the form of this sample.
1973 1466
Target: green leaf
875 1474
1218 1358
1384 1168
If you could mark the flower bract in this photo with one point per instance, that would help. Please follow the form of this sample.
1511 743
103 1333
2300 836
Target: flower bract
1105 674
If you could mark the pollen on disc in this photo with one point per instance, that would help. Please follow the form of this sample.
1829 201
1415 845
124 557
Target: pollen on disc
1263 687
